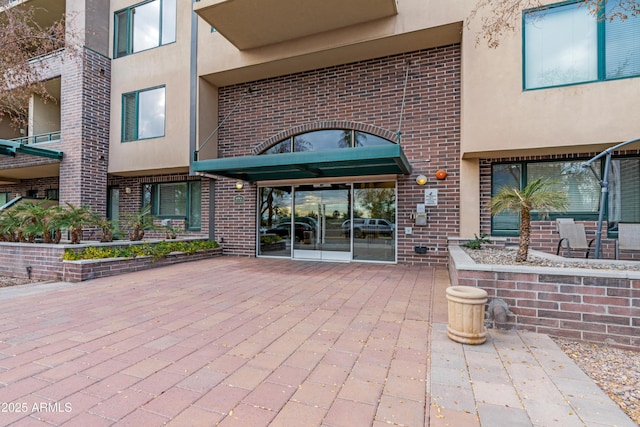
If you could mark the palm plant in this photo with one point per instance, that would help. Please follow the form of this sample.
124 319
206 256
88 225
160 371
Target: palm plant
75 218
107 227
33 219
9 224
538 195
138 223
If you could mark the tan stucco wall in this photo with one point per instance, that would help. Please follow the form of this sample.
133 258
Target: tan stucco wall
500 119
165 65
43 117
419 24
499 116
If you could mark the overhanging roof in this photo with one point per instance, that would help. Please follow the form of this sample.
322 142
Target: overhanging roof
360 161
11 148
249 23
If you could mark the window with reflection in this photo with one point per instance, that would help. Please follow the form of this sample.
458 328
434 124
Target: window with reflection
274 218
326 139
144 26
624 192
374 221
582 188
143 114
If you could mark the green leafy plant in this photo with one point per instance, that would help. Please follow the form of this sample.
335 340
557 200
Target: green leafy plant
138 223
154 250
171 232
477 242
270 239
9 224
538 195
74 218
107 227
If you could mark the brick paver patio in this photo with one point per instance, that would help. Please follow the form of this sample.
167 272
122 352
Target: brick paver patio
234 341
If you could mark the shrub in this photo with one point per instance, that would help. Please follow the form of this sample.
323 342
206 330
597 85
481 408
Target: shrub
154 250
477 242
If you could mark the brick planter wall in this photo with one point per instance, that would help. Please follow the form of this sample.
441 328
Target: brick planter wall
78 271
577 303
45 262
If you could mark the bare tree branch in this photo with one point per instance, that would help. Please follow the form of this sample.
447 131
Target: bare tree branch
499 17
24 44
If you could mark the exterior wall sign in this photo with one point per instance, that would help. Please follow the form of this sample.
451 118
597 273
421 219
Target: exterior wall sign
431 197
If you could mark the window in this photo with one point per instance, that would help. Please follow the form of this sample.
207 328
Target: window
180 200
4 198
143 114
144 26
113 203
327 139
51 194
582 189
567 44
624 191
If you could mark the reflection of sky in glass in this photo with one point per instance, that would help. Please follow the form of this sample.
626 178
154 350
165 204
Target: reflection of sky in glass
368 140
622 46
308 203
168 21
151 109
561 46
146 20
281 147
322 140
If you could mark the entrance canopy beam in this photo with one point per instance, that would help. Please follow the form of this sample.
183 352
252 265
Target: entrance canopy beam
359 161
10 148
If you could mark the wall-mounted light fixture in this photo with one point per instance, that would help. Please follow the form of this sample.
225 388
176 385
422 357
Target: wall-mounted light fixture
441 174
239 185
127 190
421 179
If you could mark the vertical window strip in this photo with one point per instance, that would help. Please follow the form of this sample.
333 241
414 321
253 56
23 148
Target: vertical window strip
134 25
612 48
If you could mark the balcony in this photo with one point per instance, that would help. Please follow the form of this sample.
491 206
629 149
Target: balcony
249 24
37 139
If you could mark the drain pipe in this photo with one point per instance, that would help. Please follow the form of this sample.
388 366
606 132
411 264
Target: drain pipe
498 311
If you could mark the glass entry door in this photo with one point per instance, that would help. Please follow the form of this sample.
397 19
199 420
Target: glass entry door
321 212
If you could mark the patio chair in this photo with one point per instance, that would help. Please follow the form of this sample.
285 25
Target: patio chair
573 237
628 238
563 220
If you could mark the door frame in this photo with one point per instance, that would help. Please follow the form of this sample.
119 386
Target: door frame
340 180
323 254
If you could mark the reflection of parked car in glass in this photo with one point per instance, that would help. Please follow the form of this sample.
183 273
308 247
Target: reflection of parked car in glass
284 230
305 219
363 227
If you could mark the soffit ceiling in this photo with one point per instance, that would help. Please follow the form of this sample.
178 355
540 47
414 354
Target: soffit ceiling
249 24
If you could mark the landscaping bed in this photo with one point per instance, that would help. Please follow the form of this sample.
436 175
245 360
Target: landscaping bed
42 262
556 298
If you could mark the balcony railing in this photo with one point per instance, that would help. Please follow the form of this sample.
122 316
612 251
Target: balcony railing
36 139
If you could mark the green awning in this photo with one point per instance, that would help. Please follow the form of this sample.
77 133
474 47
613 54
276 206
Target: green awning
10 148
360 161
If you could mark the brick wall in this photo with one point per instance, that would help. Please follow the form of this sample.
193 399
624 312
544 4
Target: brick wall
40 185
593 305
544 235
367 93
44 262
131 203
78 271
84 111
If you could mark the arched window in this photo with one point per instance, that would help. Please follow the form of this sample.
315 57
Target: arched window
326 139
